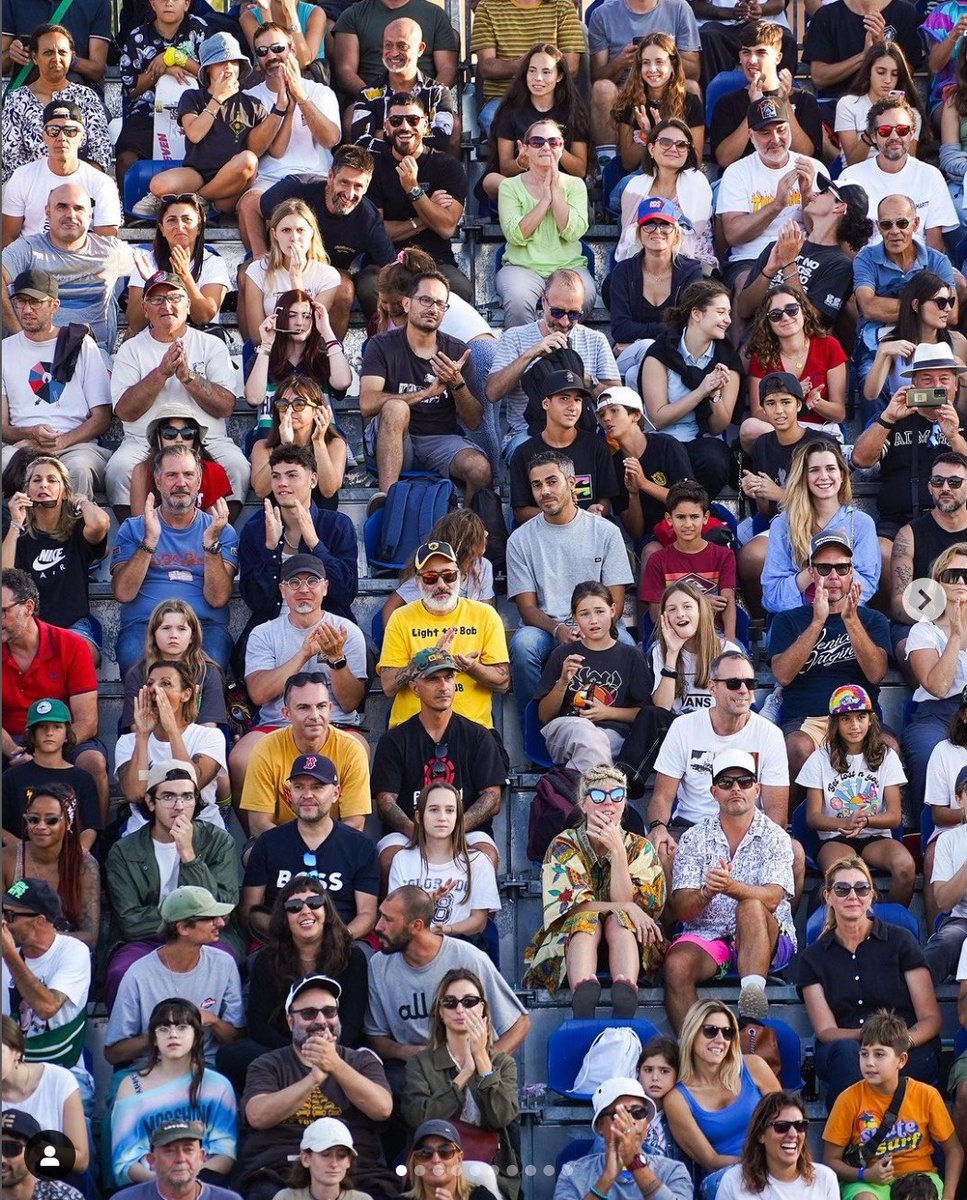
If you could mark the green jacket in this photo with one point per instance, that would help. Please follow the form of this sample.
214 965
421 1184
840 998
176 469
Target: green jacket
134 881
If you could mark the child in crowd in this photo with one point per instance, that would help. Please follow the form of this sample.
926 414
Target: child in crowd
685 646
866 1157
691 558
658 1074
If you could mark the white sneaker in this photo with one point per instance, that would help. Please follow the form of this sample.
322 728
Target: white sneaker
147 207
753 1002
772 705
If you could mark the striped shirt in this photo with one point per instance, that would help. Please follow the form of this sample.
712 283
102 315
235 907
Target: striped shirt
511 30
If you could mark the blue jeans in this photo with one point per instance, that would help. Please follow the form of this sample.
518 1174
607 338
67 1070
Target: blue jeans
530 648
485 118
927 726
129 648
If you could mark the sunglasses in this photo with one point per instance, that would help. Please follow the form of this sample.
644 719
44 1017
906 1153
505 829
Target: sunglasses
900 223
538 143
313 902
10 914
181 197
48 821
69 131
11 1148
170 433
461 1001
411 119
954 482
900 130
843 889
297 405
826 569
668 143
560 313
736 682
800 1126
426 1153
329 1012
309 862
711 1032
637 1112
275 48
432 577
941 302
656 226
728 782
951 575
789 310
600 796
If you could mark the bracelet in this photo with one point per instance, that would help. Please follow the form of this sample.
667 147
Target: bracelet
333 342
766 275
668 673
556 628
654 824
21 529
860 1174
593 1191
885 424
415 223
279 112
263 349
146 548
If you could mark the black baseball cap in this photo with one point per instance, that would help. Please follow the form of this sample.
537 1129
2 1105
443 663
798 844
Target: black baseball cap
853 195
780 382
39 285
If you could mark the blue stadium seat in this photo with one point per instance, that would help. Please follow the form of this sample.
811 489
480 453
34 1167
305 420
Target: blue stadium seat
613 173
577 1148
568 1044
138 179
534 745
790 1054
377 628
894 914
927 826
721 85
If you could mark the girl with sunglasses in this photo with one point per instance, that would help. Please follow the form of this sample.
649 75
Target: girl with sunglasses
176 426
788 335
654 91
859 964
438 860
669 170
686 643
436 1168
51 850
709 1109
775 1158
179 248
578 904
852 787
542 87
883 73
461 1078
818 496
928 312
936 652
175 1084
543 216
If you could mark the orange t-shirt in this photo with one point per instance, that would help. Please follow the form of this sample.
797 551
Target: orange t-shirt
922 1121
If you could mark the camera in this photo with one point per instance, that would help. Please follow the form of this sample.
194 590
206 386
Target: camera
926 397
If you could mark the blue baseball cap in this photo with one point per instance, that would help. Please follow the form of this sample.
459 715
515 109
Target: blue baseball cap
654 208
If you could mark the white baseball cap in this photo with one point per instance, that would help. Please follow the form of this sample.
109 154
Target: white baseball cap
614 1089
734 758
625 396
326 1133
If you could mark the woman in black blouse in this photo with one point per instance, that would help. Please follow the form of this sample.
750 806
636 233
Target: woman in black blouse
860 964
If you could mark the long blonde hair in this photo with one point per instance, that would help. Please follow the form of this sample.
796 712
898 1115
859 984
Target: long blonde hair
421 1190
853 863
708 643
798 504
194 658
69 515
274 260
730 1074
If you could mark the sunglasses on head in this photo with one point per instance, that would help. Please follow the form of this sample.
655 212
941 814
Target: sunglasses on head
432 577
600 796
942 302
735 682
171 432
313 902
788 310
954 482
728 782
329 1012
411 119
826 569
460 1001
711 1032
275 48
33 819
901 130
900 223
573 315
800 1126
954 575
426 1153
538 143
842 889
180 198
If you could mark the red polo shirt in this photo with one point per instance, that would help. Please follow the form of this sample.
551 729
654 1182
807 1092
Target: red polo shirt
62 667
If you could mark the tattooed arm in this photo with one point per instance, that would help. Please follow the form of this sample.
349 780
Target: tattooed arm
901 565
483 809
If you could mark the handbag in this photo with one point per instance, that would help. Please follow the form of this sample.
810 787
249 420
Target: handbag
755 1038
479 1145
862 1154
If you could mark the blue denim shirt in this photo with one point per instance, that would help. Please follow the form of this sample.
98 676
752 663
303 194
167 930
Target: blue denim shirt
578 1177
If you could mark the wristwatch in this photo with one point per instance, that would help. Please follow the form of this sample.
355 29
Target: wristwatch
416 192
337 664
214 548
146 548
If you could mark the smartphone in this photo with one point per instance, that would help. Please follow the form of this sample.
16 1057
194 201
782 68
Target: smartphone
926 397
897 95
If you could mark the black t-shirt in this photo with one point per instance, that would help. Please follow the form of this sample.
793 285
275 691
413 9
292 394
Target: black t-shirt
407 759
435 172
20 781
59 570
620 677
389 356
773 459
929 542
908 453
512 122
836 33
346 862
229 132
593 468
733 108
826 271
360 232
664 462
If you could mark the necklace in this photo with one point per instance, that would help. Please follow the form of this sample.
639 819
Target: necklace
797 363
295 548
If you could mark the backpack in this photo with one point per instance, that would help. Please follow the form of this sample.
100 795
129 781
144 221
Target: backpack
413 506
613 1054
552 808
486 504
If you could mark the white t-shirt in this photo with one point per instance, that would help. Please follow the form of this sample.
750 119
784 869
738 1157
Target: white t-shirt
688 753
25 194
694 697
927 636
214 269
35 398
480 588
857 791
138 356
409 868
317 277
66 968
823 1187
198 739
748 186
46 1103
166 856
303 155
945 764
461 320
923 183
949 856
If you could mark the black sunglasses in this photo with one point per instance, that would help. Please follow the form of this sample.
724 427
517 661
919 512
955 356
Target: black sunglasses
788 310
954 482
954 575
560 313
941 301
329 1012
843 889
275 48
711 1032
411 119
728 782
460 1001
800 1126
11 1148
825 569
900 223
637 1112
50 822
313 902
735 682
172 433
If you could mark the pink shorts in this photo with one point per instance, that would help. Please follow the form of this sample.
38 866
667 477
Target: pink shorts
724 955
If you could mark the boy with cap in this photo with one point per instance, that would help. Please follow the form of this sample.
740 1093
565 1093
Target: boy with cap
622 1115
341 858
188 966
177 1158
595 485
18 1130
25 192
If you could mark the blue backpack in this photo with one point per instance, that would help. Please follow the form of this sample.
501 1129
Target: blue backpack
393 533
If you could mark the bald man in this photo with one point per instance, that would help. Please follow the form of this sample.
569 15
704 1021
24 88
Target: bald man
86 265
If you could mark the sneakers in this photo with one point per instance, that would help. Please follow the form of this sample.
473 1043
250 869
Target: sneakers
147 208
753 1003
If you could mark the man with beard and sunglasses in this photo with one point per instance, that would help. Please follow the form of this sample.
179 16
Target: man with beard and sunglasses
437 744
442 619
17 1129
287 1089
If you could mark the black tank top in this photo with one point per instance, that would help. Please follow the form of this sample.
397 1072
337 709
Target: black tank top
929 540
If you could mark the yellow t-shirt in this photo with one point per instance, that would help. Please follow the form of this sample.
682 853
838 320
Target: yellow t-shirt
272 760
413 628
923 1120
